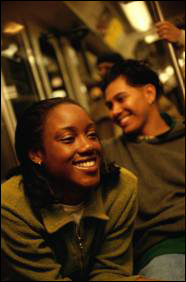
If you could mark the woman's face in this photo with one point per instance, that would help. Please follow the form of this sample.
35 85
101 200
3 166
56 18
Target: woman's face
72 151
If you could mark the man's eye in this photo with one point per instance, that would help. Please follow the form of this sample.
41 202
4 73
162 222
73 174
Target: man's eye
109 106
120 99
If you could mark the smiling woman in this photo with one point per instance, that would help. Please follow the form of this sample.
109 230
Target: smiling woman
67 215
71 152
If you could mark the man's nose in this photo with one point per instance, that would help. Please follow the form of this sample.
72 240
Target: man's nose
116 111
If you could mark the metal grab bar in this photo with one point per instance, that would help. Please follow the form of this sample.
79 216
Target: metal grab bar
160 17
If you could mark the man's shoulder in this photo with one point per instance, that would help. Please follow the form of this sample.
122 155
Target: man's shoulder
113 145
112 141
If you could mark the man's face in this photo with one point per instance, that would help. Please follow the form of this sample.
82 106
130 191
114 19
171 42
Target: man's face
129 106
71 147
103 68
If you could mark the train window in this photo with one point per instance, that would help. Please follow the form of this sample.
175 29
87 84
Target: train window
52 67
21 89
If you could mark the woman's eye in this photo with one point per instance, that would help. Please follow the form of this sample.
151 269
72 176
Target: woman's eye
67 140
93 135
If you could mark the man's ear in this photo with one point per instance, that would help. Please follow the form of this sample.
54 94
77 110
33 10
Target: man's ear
36 156
150 93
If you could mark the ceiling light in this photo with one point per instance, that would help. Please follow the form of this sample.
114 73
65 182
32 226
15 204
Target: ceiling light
138 15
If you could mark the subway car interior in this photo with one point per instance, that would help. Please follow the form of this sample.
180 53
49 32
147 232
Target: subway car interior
50 49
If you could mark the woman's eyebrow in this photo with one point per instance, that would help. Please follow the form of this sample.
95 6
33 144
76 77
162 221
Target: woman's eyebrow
74 129
71 128
91 125
63 129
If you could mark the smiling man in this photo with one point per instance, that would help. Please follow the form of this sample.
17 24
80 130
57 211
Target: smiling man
153 147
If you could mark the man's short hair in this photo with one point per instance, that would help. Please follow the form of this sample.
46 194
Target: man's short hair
137 73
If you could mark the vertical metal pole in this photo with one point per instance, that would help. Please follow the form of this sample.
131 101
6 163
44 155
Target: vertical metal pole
62 66
178 72
42 73
32 62
71 65
8 115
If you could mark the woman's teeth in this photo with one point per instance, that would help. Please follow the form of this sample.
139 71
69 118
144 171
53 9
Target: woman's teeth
86 164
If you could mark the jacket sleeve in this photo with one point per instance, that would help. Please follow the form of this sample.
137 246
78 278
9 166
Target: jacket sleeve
27 254
114 262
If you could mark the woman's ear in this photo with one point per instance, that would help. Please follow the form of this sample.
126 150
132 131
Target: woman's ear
150 93
36 157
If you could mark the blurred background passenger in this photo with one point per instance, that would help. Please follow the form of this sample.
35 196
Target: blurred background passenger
98 110
106 60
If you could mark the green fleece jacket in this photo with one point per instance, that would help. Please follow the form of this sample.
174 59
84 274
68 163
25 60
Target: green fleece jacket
48 249
159 165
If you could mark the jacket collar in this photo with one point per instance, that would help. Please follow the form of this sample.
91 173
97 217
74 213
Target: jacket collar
177 129
56 218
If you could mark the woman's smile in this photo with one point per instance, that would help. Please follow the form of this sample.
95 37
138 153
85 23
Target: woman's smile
72 150
87 165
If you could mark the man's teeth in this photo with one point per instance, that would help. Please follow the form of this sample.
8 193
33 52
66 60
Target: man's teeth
86 164
125 119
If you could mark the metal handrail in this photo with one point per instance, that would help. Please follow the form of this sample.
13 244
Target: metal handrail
179 75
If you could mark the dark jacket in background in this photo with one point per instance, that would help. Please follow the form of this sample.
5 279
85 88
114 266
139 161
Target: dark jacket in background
159 165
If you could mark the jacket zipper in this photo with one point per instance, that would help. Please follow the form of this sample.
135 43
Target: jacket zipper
79 240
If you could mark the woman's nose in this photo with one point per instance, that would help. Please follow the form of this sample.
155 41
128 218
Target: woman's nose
85 146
